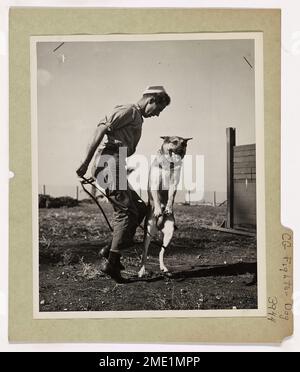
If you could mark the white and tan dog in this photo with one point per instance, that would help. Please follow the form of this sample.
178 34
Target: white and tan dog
163 180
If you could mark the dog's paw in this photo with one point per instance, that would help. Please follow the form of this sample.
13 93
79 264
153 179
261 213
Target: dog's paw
142 272
157 212
164 269
168 211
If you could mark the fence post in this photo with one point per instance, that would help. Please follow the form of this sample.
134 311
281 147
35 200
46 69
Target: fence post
77 193
230 134
215 199
44 189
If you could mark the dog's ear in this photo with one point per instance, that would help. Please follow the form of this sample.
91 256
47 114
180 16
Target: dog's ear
165 138
188 139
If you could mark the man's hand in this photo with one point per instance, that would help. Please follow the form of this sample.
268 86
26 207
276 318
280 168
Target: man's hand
157 211
169 209
81 171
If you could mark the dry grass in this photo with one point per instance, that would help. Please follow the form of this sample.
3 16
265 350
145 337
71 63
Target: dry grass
88 270
71 238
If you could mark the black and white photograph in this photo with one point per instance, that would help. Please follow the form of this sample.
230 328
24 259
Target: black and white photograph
148 176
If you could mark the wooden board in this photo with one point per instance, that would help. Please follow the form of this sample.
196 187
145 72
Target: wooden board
244 148
250 164
244 209
244 159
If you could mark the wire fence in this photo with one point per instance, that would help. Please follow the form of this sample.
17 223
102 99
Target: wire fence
214 198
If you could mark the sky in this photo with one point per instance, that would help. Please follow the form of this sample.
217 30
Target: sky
210 84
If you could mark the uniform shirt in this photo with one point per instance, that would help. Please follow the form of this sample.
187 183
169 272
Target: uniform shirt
124 127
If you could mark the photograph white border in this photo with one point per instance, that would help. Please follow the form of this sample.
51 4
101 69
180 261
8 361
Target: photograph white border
260 181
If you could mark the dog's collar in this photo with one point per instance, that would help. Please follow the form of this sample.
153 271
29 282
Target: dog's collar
164 158
172 165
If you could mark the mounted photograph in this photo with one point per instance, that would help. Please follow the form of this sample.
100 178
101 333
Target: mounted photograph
148 177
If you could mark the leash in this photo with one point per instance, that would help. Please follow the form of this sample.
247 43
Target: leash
91 181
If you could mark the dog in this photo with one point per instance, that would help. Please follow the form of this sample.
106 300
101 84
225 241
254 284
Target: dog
164 176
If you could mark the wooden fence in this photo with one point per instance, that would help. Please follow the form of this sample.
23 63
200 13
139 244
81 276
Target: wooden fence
241 183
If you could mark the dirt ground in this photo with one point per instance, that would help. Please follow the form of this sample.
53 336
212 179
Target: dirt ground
209 269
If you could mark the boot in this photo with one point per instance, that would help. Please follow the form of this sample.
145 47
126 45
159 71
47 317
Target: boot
111 267
104 253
